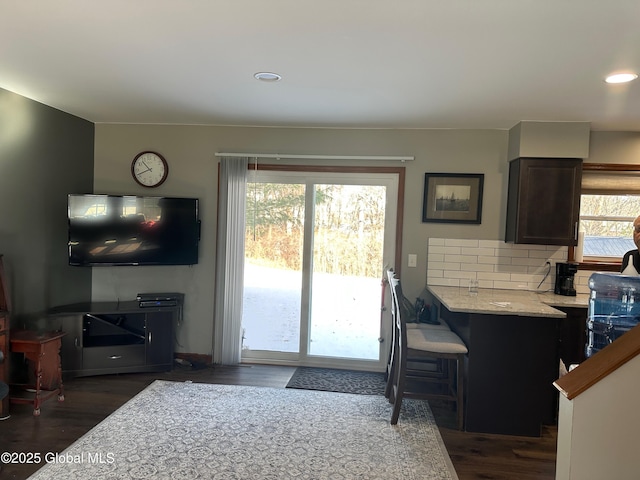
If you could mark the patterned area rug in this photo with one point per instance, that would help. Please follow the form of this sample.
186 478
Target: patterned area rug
174 430
334 380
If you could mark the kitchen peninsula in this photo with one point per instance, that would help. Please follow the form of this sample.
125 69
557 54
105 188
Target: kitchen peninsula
513 337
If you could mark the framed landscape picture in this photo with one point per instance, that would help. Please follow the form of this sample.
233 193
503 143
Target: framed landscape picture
452 197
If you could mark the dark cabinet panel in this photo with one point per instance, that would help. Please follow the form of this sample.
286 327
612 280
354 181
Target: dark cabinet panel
71 351
160 338
573 335
110 357
509 373
543 206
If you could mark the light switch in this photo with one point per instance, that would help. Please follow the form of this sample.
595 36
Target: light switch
413 260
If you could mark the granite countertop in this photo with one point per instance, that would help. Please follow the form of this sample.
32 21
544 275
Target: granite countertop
581 300
505 302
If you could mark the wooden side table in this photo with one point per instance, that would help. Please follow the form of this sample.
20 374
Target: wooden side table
43 352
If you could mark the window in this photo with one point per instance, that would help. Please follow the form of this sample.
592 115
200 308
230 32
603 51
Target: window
609 203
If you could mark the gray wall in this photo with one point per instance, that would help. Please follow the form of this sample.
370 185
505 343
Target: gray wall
614 147
44 155
190 151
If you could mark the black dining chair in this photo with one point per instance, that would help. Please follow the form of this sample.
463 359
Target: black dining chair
389 373
413 349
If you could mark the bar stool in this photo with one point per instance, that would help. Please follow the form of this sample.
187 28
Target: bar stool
389 373
416 346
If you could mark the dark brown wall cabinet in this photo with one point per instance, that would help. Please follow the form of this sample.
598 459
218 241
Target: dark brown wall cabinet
543 206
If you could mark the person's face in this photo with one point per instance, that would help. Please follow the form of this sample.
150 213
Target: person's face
636 232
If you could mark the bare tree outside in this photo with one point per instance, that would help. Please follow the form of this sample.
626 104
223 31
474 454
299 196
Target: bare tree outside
608 215
350 222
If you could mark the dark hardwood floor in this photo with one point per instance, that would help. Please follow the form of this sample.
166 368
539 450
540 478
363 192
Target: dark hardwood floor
91 399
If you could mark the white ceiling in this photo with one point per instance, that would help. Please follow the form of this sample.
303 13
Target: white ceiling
344 63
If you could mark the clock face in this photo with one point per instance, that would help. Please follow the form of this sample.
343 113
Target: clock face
149 169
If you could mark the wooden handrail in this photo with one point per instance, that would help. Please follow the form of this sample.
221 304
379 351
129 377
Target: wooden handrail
595 368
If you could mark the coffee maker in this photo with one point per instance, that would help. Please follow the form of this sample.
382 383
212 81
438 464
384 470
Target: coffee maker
565 273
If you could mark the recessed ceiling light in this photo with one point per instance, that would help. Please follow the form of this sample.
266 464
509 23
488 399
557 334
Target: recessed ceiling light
621 78
267 76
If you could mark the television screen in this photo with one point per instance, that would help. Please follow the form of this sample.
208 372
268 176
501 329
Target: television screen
132 230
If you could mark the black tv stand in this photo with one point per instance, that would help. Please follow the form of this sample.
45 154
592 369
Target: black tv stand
115 337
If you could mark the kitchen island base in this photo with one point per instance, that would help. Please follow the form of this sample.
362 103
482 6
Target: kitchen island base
510 370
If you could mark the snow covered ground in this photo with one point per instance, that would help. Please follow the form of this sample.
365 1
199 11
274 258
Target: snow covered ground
345 313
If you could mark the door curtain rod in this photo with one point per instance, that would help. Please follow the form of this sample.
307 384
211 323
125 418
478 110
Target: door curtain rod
317 157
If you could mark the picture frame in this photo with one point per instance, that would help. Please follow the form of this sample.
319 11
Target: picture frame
452 197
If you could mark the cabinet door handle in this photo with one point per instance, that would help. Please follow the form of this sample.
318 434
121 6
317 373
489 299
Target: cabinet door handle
575 232
115 357
149 337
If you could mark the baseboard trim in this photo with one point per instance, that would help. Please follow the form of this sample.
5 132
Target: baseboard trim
195 357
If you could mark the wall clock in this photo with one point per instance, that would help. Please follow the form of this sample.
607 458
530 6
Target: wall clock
149 169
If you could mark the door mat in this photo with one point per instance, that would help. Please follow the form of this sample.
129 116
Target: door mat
336 380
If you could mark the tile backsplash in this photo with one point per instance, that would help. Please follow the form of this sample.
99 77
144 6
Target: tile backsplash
496 264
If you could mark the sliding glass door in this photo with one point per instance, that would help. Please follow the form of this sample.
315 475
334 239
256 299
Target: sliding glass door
348 246
316 247
273 266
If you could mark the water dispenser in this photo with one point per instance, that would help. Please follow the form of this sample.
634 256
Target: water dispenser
614 308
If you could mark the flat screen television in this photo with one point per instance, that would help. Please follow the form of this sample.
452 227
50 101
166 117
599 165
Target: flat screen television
108 230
